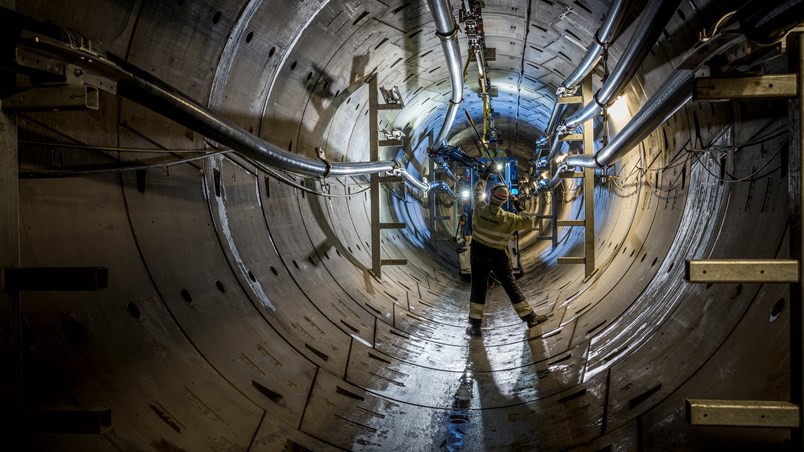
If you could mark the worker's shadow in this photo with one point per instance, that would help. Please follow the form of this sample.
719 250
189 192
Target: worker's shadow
504 402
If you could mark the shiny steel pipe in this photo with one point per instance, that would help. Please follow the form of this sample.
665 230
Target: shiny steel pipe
142 88
424 187
442 186
555 116
447 32
605 34
653 20
668 99
555 146
185 111
671 96
545 185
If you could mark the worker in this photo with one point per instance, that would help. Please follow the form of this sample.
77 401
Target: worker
492 228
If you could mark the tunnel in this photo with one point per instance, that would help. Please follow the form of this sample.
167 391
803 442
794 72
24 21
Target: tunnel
241 310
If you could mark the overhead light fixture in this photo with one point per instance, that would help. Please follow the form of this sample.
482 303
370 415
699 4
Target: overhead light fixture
465 194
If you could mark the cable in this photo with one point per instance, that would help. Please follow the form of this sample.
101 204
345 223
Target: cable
286 180
751 177
113 149
86 170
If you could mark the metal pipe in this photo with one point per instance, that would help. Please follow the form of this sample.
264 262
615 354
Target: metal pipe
187 112
672 95
448 172
555 116
653 20
555 146
447 31
605 34
545 185
142 88
669 98
442 186
424 187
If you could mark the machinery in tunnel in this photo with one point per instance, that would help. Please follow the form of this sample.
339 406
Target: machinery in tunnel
191 193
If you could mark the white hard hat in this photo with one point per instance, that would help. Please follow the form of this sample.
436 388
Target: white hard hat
499 194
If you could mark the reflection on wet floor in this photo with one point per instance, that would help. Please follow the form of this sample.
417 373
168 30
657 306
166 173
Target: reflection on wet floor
458 418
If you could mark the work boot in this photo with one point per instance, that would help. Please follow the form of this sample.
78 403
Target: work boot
474 330
534 319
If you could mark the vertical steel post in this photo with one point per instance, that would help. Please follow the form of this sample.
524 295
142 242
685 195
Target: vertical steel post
796 193
431 200
588 184
554 207
374 189
10 312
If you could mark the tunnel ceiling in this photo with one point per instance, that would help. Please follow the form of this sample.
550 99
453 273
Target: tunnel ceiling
241 313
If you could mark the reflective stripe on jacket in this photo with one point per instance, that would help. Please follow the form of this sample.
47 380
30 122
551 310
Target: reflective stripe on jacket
491 225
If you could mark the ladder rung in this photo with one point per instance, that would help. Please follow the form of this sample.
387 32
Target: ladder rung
393 262
390 143
571 137
572 175
444 217
742 413
570 100
541 237
571 223
390 179
390 107
742 270
571 260
393 225
755 87
542 217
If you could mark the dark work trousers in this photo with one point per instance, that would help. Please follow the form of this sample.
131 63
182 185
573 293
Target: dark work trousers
485 260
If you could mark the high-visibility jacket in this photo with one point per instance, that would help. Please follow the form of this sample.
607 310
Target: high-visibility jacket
492 225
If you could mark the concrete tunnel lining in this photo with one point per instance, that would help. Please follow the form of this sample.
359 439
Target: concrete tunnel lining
226 324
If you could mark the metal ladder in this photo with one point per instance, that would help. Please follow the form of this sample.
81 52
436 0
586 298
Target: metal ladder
588 176
377 225
753 413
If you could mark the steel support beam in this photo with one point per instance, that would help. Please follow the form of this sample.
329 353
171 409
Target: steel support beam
758 87
571 137
570 100
54 98
377 225
374 180
392 225
571 260
554 214
589 185
796 194
10 312
742 270
742 413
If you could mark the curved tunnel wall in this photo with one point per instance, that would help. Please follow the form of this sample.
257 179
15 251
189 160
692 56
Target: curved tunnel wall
240 313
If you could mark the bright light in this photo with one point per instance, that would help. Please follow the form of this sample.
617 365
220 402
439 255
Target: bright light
465 194
499 167
619 113
483 196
